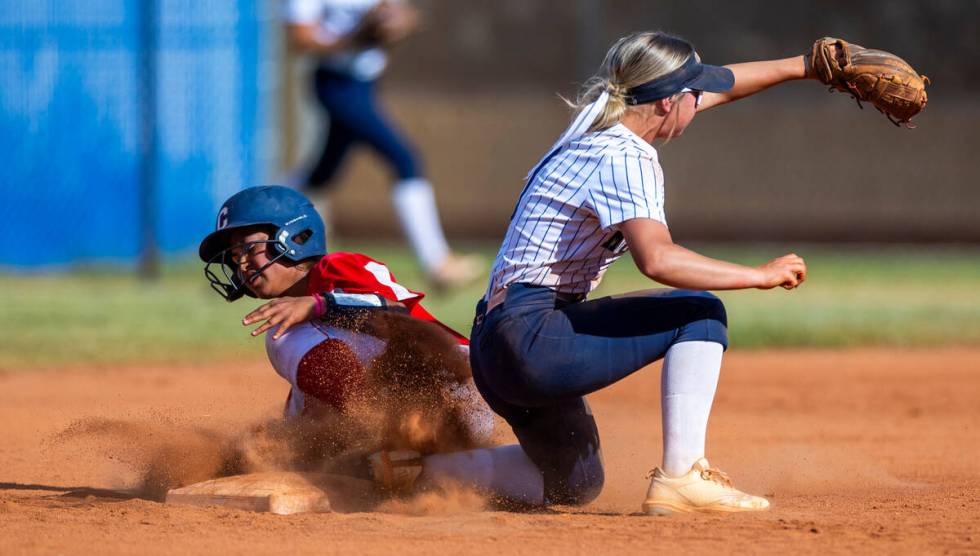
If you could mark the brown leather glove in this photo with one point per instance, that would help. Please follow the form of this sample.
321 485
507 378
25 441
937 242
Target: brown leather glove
369 32
875 76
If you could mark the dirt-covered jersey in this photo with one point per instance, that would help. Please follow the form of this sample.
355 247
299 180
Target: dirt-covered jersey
327 364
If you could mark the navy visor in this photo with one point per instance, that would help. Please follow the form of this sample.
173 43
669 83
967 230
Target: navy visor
691 75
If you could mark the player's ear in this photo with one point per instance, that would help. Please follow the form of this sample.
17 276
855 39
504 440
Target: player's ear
663 106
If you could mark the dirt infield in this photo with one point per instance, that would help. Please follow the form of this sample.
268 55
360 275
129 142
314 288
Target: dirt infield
858 450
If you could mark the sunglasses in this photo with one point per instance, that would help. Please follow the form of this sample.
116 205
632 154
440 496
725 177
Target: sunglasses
698 95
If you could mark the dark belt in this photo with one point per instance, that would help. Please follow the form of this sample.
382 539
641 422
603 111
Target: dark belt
565 298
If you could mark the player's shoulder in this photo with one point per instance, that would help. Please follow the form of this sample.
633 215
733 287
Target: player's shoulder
343 257
617 142
359 273
343 262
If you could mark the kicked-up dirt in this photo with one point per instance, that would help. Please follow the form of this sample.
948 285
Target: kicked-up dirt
859 451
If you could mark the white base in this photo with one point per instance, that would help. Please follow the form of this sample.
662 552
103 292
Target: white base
280 493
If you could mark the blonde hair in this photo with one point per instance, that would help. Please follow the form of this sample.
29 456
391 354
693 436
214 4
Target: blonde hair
634 60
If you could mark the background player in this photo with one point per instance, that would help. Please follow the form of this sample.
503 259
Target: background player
349 38
538 347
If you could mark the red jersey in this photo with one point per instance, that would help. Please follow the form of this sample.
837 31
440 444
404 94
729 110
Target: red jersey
356 273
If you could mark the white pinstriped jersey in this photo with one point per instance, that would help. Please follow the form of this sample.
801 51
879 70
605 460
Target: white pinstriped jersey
564 232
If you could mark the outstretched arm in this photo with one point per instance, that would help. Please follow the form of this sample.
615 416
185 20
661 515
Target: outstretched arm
285 312
659 258
753 77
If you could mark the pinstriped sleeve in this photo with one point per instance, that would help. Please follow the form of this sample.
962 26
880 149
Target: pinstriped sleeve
628 185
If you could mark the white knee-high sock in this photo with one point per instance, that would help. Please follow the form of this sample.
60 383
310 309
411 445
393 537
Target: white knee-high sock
415 204
503 471
687 389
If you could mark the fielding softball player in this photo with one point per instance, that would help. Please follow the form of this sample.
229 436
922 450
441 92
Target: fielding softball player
349 38
538 346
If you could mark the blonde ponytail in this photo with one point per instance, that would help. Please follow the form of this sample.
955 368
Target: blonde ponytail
634 60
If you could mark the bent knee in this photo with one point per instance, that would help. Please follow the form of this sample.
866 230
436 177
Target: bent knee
707 305
403 161
707 320
583 485
713 307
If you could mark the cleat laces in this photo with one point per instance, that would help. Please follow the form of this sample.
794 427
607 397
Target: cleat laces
716 475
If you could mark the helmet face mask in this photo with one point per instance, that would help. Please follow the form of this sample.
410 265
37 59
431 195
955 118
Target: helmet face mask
225 275
296 233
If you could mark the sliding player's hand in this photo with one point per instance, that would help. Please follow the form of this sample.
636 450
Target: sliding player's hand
283 312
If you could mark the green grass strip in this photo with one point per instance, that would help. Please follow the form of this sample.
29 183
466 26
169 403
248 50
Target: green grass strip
870 296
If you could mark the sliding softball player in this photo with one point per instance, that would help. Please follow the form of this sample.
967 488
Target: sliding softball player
350 339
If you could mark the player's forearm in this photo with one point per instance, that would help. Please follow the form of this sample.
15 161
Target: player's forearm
678 267
754 77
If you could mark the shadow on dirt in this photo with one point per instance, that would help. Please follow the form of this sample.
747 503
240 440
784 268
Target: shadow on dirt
79 491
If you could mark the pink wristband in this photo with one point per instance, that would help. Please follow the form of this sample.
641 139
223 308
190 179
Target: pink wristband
320 309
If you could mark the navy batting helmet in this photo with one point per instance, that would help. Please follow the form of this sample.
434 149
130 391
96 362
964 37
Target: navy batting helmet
296 233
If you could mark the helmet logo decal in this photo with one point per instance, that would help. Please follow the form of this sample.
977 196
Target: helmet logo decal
294 220
223 218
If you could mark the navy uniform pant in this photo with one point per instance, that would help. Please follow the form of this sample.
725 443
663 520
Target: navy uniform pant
539 352
356 117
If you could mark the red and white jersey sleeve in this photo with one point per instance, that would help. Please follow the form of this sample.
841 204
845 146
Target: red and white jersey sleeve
357 273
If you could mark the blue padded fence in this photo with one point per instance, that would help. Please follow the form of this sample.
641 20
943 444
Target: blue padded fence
74 94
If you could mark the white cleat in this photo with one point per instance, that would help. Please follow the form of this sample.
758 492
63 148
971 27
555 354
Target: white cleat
702 489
